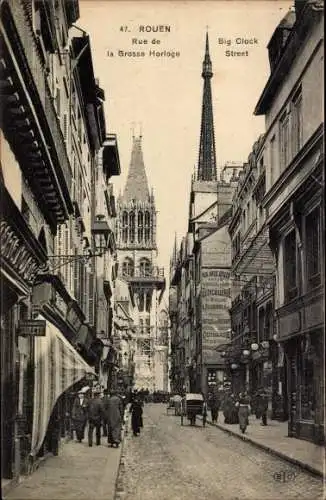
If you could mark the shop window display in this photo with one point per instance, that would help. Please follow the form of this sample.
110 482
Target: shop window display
306 381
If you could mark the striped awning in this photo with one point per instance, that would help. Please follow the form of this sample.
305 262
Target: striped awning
57 366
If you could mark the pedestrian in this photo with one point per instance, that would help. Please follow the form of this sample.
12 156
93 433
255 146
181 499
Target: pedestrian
214 405
263 405
79 415
204 411
243 405
105 400
95 415
113 414
136 410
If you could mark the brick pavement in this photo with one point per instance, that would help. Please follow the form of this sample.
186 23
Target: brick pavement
274 438
77 472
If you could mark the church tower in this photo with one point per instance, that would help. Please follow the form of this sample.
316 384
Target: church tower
204 181
137 256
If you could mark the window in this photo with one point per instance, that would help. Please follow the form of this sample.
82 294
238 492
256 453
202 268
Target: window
272 159
140 227
124 227
285 141
297 122
58 100
147 227
145 268
306 385
132 227
313 248
290 266
128 267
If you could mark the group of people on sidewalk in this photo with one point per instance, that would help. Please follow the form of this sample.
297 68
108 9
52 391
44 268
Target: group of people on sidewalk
106 412
236 408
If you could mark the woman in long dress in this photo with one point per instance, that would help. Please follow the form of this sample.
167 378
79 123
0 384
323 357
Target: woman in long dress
113 412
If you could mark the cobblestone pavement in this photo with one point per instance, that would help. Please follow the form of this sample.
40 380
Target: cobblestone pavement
168 461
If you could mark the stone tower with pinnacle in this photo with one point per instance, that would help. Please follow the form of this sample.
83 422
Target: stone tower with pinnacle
137 256
206 170
204 180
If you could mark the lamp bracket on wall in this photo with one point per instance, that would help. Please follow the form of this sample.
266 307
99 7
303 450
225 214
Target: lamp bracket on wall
61 260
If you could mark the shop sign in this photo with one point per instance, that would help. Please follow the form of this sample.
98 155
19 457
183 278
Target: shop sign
32 327
14 251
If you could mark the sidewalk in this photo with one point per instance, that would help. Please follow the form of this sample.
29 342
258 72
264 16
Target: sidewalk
79 471
274 439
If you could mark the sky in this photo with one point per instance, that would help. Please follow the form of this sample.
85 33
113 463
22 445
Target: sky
161 96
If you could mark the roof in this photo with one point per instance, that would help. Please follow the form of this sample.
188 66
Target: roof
136 187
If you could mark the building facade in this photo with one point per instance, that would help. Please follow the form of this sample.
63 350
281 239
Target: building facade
292 102
52 127
137 256
255 359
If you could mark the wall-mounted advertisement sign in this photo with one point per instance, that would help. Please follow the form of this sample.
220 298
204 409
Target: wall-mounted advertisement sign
216 302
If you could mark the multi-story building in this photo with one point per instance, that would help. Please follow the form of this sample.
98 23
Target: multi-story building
253 355
292 102
106 265
52 126
181 314
137 255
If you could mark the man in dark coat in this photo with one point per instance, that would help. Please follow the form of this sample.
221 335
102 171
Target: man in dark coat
214 406
136 410
95 415
105 400
113 414
79 415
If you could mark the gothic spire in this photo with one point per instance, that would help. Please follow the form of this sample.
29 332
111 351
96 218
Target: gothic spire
136 187
207 158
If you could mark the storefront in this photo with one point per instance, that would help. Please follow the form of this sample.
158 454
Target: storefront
305 357
62 359
21 259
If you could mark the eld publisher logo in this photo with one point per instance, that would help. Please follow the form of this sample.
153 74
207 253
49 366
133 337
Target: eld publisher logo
284 476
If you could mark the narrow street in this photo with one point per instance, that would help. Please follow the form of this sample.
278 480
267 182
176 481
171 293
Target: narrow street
170 461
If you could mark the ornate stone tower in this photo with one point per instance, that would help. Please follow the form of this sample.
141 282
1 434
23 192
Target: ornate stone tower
207 158
204 181
137 255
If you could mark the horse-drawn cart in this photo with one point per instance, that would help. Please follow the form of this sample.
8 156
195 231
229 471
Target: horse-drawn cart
193 405
174 405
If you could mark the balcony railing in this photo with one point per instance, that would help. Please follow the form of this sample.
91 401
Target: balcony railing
154 273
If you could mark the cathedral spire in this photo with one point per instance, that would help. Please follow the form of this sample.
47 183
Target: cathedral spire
136 187
207 158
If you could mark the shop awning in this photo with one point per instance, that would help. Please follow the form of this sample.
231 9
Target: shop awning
57 366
